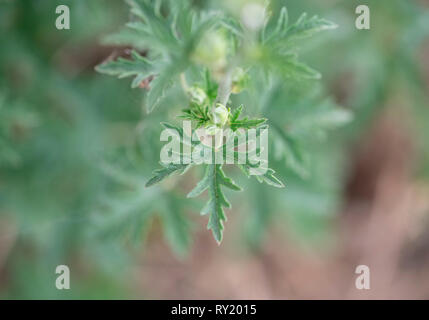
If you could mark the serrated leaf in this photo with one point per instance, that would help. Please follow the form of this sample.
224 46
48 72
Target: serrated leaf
212 181
166 171
201 186
322 121
244 123
138 66
170 38
158 88
277 53
227 182
294 68
281 26
291 150
306 27
125 37
183 137
154 27
288 66
166 78
267 177
283 20
236 113
201 24
311 117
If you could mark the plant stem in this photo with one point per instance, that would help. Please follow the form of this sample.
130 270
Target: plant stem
183 82
224 90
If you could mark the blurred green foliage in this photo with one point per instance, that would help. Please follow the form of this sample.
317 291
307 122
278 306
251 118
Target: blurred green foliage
76 147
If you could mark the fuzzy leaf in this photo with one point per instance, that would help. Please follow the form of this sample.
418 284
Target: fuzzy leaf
213 179
307 27
155 29
287 65
166 171
125 37
267 177
293 68
304 27
158 88
245 123
290 148
139 67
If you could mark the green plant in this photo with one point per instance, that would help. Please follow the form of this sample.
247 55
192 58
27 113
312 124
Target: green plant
224 56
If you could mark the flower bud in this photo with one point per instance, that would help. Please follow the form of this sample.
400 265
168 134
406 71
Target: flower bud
220 115
197 95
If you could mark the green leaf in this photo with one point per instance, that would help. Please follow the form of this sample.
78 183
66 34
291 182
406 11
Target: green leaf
201 23
154 28
166 171
307 27
290 148
210 86
158 89
267 177
287 65
201 186
170 38
161 83
322 120
293 68
277 53
151 41
233 26
236 113
303 28
184 138
213 179
282 23
245 123
125 37
283 20
139 67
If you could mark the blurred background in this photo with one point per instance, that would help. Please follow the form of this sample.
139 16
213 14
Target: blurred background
77 147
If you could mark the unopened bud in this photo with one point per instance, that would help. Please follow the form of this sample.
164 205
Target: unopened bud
220 115
197 95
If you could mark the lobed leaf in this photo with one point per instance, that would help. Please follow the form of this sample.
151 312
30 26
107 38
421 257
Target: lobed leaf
307 27
303 28
244 123
139 67
267 177
166 171
212 181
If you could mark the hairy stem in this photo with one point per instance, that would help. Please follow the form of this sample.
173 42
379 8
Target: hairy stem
183 82
224 90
